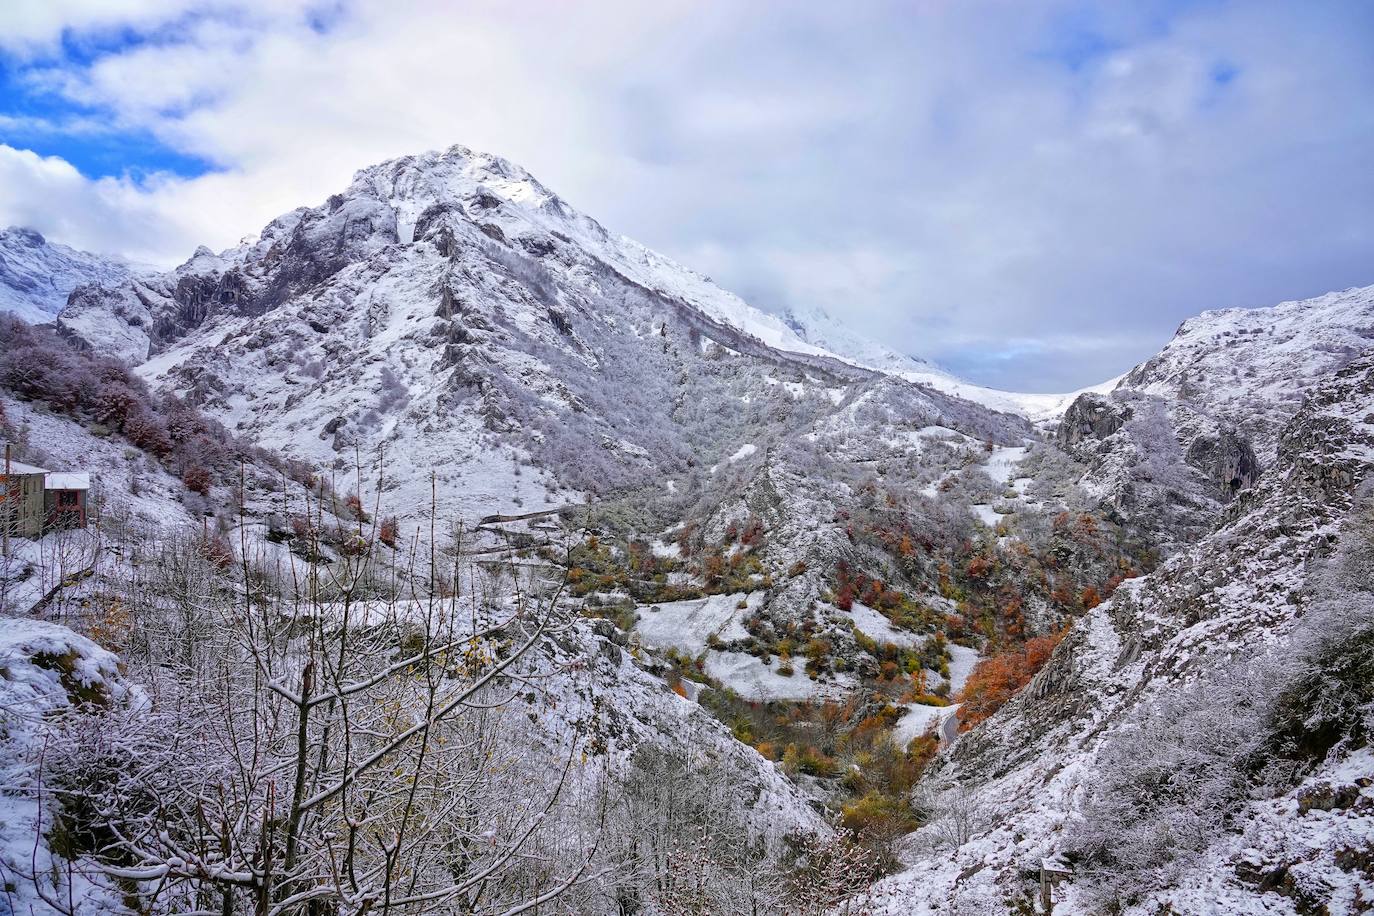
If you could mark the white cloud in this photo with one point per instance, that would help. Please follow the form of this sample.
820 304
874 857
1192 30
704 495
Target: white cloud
109 215
950 176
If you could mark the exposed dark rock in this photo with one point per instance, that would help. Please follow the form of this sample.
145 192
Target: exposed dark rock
1091 417
1226 459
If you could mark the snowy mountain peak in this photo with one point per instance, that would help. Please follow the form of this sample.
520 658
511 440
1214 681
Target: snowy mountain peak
500 195
483 183
37 275
458 176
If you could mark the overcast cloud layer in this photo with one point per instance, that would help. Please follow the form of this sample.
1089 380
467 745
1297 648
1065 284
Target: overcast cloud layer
1033 194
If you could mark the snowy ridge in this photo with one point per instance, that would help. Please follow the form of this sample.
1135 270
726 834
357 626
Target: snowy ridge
1196 424
1253 367
37 275
412 183
389 202
817 327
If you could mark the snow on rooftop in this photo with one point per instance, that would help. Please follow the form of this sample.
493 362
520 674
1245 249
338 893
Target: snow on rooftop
74 480
19 467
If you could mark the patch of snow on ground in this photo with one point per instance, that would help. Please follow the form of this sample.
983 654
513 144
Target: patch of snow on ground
875 626
671 550
686 625
753 680
744 451
1002 462
961 662
920 719
986 514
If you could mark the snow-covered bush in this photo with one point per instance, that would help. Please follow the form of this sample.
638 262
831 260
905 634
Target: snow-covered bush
1328 701
1168 782
305 746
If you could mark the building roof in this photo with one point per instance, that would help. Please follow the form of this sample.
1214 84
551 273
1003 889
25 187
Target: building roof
70 481
19 467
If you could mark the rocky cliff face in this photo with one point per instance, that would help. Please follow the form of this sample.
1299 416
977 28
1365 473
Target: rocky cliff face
1190 428
1156 464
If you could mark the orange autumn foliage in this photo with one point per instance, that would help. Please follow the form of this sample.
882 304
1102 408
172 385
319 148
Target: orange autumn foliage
998 678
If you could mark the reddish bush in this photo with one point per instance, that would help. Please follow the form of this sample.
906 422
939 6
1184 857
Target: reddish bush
148 432
998 678
355 507
389 530
37 364
218 551
197 479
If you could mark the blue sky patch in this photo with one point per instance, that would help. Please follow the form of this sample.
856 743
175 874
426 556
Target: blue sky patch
36 118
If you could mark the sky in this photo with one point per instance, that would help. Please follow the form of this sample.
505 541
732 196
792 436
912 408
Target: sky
1032 193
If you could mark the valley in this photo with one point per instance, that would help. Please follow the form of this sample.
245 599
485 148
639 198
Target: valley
752 614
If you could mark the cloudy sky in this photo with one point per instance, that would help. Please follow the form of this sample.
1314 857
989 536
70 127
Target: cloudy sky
1032 193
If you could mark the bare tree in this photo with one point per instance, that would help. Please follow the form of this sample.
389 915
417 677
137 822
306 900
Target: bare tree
313 747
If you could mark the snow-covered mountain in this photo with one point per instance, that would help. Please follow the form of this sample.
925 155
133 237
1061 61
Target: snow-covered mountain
1254 367
776 510
37 275
453 310
1193 426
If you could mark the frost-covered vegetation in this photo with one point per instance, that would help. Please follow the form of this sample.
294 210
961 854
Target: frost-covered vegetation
1175 779
40 365
294 734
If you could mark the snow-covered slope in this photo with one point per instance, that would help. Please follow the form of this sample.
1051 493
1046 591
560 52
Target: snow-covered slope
37 275
1253 367
1191 427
